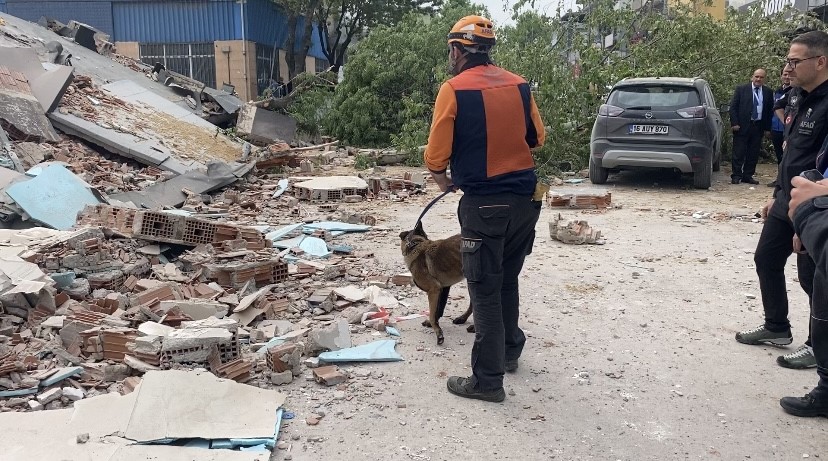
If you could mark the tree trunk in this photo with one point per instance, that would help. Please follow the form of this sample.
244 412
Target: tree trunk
306 37
290 45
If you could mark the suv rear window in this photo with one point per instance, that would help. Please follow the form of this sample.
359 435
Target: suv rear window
654 97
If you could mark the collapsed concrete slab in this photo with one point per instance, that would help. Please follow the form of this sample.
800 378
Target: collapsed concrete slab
146 151
21 114
265 126
54 198
48 86
199 181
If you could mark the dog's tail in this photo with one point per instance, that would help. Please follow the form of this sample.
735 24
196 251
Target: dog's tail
442 301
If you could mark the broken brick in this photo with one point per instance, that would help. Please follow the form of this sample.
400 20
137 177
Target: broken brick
329 375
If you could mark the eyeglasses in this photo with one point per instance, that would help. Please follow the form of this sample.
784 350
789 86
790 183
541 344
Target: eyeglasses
795 62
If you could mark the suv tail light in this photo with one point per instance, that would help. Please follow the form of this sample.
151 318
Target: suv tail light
608 110
693 112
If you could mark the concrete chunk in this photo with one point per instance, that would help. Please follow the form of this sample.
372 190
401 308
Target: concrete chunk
73 394
50 396
334 337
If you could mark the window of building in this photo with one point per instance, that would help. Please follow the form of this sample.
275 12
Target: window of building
322 65
267 67
195 60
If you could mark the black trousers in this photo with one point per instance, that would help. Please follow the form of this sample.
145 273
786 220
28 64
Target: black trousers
746 144
497 233
772 252
819 318
777 138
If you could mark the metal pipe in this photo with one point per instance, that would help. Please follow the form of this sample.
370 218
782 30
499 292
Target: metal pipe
244 51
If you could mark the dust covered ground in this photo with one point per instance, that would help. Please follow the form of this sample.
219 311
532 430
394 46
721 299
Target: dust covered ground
630 353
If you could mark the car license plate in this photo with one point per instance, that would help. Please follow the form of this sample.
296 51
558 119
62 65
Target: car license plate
649 129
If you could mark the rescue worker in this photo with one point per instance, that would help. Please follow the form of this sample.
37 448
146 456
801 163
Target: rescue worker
806 127
484 126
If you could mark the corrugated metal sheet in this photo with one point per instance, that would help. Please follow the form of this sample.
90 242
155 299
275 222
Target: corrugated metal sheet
96 13
267 24
3 6
176 21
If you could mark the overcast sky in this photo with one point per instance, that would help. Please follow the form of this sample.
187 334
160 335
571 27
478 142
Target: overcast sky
502 14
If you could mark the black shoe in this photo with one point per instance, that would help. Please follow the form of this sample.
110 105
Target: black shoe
772 183
750 181
511 365
735 180
463 387
815 403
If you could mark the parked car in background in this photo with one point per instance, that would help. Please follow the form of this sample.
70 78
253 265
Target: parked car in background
659 122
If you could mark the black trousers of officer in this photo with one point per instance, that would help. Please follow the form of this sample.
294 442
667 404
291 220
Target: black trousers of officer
819 317
498 232
746 144
772 252
777 138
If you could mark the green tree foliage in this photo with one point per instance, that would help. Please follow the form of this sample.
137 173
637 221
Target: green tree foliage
340 22
393 76
579 64
392 79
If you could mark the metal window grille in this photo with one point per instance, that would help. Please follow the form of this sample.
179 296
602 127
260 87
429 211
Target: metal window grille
267 67
321 65
195 60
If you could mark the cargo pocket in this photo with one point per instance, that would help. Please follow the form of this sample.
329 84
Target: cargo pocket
472 263
494 211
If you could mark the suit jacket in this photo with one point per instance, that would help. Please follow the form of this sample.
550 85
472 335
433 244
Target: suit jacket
741 107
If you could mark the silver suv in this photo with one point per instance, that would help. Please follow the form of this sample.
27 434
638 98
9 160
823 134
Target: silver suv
667 122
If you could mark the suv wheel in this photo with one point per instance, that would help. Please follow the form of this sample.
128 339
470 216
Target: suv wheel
703 177
597 174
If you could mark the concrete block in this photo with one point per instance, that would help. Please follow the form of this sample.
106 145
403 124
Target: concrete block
50 396
278 379
115 373
333 337
329 376
72 393
197 309
34 405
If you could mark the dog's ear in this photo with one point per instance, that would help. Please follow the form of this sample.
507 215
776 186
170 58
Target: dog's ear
403 235
418 230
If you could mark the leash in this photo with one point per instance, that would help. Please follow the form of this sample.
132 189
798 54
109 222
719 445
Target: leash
431 204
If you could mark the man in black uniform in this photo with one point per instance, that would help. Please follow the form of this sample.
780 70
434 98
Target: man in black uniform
809 201
806 126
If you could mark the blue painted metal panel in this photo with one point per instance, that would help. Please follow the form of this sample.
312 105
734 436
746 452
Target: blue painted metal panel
3 6
267 24
178 21
96 13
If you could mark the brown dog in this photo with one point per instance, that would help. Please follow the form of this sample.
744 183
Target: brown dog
435 266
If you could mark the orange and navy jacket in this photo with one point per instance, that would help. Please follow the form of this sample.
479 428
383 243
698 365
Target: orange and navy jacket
485 123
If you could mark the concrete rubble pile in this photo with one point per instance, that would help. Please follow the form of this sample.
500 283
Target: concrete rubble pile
119 262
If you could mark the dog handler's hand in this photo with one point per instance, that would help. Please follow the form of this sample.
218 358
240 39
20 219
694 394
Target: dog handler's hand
443 182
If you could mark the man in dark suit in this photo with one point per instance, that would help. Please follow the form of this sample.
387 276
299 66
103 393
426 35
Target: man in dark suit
751 112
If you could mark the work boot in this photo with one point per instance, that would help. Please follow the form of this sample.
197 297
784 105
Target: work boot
761 335
464 388
511 365
798 359
815 403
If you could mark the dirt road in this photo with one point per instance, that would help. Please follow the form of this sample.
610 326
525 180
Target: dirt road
630 356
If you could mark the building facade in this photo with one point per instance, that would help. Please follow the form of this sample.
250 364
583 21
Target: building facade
818 8
235 42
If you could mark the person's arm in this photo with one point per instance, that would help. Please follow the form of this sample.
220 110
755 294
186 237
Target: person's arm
780 114
441 137
809 201
734 111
